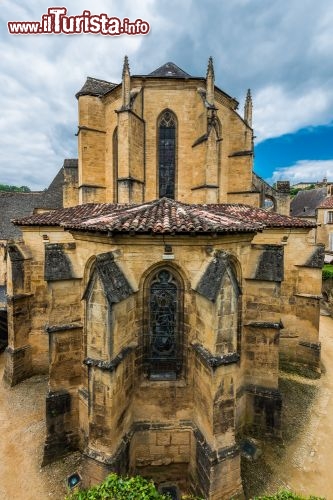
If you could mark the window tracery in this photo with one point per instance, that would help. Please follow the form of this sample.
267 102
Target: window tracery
167 154
164 342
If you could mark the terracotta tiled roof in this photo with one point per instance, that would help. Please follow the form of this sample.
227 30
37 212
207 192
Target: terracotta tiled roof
265 217
327 203
66 215
163 216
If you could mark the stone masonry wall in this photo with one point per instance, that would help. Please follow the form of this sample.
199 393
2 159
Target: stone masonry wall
97 123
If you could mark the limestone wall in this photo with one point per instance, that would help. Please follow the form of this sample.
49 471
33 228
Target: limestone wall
327 288
209 164
324 230
102 398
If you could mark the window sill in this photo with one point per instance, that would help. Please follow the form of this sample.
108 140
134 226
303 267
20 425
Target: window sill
163 383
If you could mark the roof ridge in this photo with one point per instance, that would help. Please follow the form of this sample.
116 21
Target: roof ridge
171 70
164 216
100 80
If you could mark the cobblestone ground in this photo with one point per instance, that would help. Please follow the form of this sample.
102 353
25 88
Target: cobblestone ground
22 426
302 460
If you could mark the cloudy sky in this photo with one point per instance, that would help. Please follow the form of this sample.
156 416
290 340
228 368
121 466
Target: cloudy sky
281 49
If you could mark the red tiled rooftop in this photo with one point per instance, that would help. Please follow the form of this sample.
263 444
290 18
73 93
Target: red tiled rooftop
327 203
265 217
163 216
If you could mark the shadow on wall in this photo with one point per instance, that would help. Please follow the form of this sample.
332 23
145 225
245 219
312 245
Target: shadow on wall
327 300
3 319
260 475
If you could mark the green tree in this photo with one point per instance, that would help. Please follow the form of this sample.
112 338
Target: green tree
115 487
14 189
287 495
327 271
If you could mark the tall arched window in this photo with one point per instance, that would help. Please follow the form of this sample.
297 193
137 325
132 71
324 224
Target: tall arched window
164 336
167 154
115 164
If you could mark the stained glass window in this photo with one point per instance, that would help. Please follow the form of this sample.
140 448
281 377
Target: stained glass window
167 154
115 163
164 337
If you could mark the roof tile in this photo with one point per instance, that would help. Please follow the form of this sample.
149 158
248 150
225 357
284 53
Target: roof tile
95 87
327 203
169 69
306 201
17 204
163 216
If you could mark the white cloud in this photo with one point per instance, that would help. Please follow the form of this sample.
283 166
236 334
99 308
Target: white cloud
282 50
39 78
279 112
304 170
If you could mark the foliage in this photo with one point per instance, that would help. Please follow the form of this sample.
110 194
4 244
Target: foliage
115 487
327 271
14 189
287 495
294 191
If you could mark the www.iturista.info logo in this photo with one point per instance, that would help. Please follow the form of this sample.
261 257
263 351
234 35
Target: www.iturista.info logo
56 22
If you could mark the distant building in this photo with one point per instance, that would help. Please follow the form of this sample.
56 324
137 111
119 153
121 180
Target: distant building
325 224
20 204
305 203
316 205
302 185
316 184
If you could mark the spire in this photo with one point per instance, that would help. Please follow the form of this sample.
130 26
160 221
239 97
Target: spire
126 84
210 78
248 108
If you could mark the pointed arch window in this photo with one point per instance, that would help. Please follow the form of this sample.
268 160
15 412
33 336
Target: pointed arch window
167 126
164 337
115 164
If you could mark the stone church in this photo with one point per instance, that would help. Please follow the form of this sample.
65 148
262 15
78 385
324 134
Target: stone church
164 296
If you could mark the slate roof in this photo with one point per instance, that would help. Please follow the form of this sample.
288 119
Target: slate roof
94 86
163 216
328 203
97 87
71 162
170 70
305 202
13 205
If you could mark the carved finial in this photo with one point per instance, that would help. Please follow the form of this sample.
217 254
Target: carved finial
210 80
126 68
126 84
210 68
248 108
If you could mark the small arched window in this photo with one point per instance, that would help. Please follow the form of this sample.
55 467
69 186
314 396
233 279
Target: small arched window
167 154
164 338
